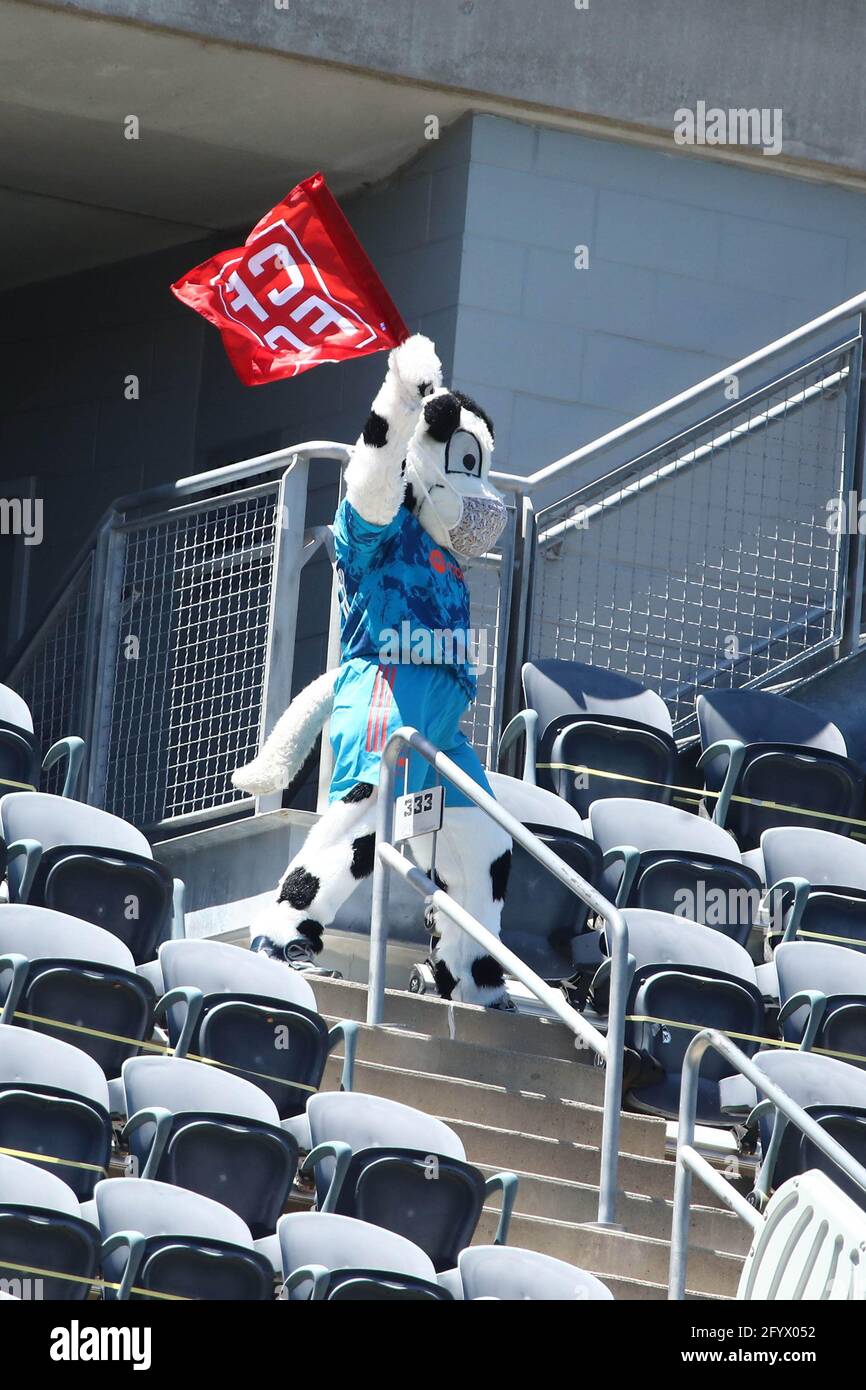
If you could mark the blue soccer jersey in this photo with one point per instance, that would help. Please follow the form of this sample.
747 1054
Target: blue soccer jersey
403 598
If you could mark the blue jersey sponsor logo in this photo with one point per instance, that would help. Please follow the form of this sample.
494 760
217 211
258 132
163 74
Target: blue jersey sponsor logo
394 574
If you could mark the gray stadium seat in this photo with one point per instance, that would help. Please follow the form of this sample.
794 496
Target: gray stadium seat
822 992
816 884
687 974
541 918
833 1093
668 860
77 859
42 1234
585 716
339 1258
54 1107
508 1273
765 747
53 966
19 748
395 1167
199 1127
165 1240
255 1018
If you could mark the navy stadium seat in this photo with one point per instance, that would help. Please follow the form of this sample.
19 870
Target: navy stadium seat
43 1236
583 716
687 974
668 860
770 749
822 993
65 977
54 1107
77 859
201 1128
374 1159
338 1258
513 1275
255 1018
541 918
816 885
20 761
158 1239
832 1092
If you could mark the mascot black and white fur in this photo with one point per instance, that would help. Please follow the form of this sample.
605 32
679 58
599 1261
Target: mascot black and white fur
418 502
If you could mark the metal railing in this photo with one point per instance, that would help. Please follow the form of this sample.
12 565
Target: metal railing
689 1162
705 557
387 860
711 558
171 648
172 652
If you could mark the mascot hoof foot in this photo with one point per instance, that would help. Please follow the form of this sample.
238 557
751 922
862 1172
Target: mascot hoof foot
297 954
505 1005
260 778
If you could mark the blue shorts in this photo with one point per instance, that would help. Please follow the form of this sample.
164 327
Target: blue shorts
372 700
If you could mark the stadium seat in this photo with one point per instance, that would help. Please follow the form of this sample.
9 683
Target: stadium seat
201 1128
59 968
833 1093
391 1165
668 860
338 1258
541 918
19 750
822 992
162 1240
809 1248
42 1234
77 859
816 884
513 1275
580 716
681 973
54 1107
255 1018
771 749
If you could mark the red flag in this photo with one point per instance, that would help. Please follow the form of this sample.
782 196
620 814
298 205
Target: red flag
300 291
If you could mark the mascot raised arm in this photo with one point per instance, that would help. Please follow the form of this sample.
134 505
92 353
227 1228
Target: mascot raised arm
418 502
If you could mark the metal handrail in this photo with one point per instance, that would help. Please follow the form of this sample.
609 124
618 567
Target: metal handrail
609 1049
845 310
689 1161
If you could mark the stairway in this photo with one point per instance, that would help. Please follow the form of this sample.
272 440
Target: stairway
522 1098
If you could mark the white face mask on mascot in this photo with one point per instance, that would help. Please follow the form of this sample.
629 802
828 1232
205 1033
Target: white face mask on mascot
447 469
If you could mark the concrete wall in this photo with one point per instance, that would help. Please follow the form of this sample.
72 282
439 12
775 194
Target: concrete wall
691 265
611 62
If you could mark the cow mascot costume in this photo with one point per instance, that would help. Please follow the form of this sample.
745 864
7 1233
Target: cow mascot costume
418 501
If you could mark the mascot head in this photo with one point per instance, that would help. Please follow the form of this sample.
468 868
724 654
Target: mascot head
447 473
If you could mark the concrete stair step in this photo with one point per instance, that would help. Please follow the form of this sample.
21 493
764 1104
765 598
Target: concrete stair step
467 1023
565 1159
711 1228
524 1111
619 1253
514 1071
641 1291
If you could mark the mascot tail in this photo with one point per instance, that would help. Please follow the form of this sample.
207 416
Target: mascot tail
287 746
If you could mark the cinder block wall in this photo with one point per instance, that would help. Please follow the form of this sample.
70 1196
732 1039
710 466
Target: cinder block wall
692 264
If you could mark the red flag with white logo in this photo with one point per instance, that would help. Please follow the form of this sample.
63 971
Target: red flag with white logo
300 291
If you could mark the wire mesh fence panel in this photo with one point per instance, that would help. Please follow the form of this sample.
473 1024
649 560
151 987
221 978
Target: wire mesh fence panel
50 676
189 666
715 561
485 585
